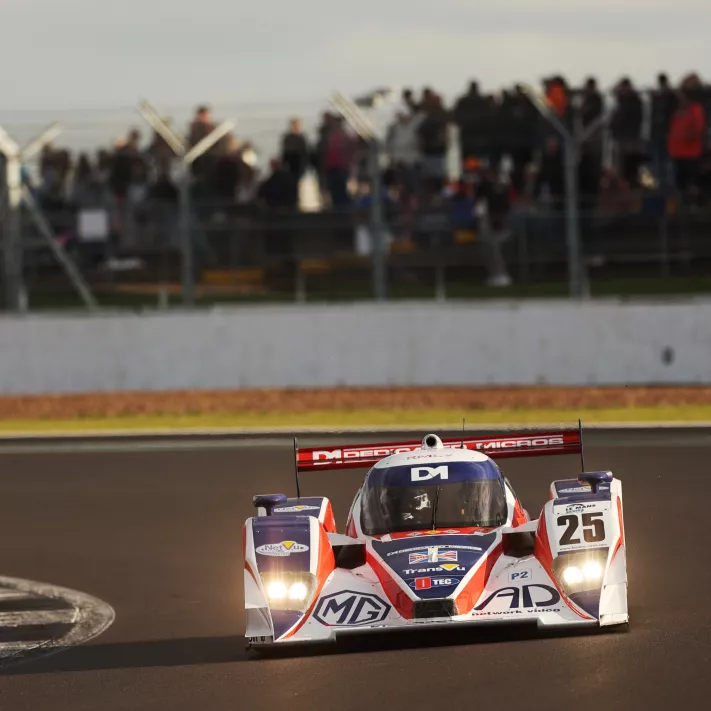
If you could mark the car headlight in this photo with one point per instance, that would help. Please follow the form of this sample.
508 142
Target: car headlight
580 570
289 591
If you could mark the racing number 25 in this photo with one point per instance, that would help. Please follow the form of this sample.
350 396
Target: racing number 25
593 528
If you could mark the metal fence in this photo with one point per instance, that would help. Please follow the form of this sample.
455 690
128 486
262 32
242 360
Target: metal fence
244 252
139 250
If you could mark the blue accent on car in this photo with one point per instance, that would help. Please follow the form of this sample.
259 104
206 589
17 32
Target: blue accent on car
307 505
270 535
432 474
573 491
589 600
268 501
284 620
601 496
399 555
596 479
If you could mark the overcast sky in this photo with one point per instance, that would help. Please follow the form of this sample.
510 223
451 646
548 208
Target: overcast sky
96 53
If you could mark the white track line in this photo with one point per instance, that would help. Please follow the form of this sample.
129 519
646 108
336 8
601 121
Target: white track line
38 617
89 615
14 595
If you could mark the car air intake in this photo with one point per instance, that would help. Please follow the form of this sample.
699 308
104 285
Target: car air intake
433 609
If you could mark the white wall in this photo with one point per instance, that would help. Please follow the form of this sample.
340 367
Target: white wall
365 344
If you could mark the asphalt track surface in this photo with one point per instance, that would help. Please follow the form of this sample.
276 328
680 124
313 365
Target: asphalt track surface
157 535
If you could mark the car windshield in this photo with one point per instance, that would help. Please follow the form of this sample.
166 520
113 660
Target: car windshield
464 504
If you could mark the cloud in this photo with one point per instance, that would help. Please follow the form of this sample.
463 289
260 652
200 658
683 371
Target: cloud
85 51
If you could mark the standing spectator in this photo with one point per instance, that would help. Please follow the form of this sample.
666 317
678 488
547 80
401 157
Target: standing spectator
592 107
86 188
338 162
686 141
127 154
470 116
557 96
227 172
295 151
201 126
163 198
160 152
626 127
127 168
408 98
525 119
433 136
550 182
403 147
664 103
278 191
318 154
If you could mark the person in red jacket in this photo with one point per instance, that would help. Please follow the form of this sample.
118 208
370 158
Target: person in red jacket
687 132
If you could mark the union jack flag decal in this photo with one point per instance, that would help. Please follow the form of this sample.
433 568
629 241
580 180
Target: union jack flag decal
433 555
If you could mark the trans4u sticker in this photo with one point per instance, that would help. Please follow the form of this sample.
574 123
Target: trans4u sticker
283 549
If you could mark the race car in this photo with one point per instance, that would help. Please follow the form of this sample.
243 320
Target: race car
435 537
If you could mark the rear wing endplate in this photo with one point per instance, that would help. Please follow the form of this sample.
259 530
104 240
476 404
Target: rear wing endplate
501 447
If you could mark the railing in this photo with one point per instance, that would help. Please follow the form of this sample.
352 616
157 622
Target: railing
246 252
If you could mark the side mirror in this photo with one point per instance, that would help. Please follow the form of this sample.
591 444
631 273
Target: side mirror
269 501
595 479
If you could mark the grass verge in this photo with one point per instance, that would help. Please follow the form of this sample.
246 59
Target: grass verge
342 419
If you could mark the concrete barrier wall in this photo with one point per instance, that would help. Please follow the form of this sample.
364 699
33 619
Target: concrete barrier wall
360 345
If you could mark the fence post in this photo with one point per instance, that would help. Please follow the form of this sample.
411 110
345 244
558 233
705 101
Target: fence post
664 244
524 275
578 278
187 157
364 128
377 226
440 281
572 141
13 255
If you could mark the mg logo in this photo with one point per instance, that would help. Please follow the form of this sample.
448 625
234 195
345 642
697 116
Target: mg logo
427 473
350 609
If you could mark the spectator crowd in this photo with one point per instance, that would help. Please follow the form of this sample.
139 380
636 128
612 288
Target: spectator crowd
640 140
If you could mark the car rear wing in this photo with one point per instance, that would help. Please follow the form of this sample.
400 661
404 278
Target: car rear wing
498 447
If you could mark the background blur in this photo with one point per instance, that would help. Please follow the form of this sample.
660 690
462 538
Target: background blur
545 189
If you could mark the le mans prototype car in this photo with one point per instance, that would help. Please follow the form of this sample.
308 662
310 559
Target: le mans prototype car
436 536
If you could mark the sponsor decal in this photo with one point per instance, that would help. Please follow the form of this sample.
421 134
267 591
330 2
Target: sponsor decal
427 473
449 567
518 575
326 456
433 555
511 612
515 443
283 549
447 532
576 490
351 609
526 597
579 508
429 583
296 509
442 545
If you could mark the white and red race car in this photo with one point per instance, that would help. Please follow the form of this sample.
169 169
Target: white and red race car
436 536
